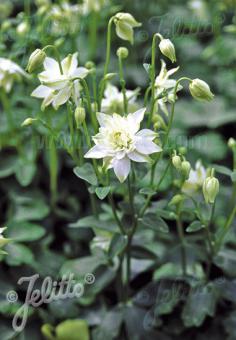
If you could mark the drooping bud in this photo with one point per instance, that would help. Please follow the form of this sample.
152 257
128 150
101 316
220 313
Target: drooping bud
80 115
185 169
176 199
122 52
200 90
36 59
125 24
89 65
109 76
176 161
167 48
210 188
28 121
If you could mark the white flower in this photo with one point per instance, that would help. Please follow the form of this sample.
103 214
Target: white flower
113 101
93 5
57 88
9 72
196 179
165 86
119 141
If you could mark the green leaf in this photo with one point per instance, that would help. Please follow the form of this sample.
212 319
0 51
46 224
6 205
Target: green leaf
102 192
8 164
201 302
154 222
72 330
195 226
94 223
118 244
233 176
25 172
147 191
222 169
18 254
24 231
87 173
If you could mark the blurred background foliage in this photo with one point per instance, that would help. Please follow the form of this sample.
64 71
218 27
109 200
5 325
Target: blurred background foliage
204 34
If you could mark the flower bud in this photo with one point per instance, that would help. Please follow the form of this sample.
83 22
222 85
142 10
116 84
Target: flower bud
210 189
6 25
185 169
176 161
231 143
36 59
89 65
109 76
122 52
80 115
28 121
176 199
125 23
22 28
167 49
200 90
182 150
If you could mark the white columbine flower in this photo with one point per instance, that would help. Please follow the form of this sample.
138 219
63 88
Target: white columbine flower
119 141
196 179
113 101
58 87
9 72
165 86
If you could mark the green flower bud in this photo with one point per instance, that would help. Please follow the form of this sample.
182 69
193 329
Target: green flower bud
210 189
80 115
28 121
125 23
182 150
176 199
176 161
122 52
36 59
167 49
6 25
200 90
231 143
185 169
89 65
109 76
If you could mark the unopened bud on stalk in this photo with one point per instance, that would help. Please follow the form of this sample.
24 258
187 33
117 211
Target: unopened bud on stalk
36 59
22 28
28 121
210 188
232 143
89 65
176 161
122 52
185 169
80 115
167 48
182 150
200 90
109 76
176 199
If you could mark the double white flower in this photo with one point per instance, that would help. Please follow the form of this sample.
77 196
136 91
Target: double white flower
119 142
165 86
58 87
9 72
113 100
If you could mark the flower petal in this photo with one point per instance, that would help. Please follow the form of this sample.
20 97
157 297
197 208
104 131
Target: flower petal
62 97
95 152
41 92
125 31
51 65
147 133
102 118
147 147
138 157
80 72
121 168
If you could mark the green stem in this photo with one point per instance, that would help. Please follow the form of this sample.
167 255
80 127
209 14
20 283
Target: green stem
123 83
7 109
108 51
72 132
93 20
182 241
92 115
226 228
113 207
53 168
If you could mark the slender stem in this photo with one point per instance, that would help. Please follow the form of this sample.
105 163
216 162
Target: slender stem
113 207
209 241
182 241
7 109
123 83
72 132
93 20
108 51
53 166
91 113
227 226
152 75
